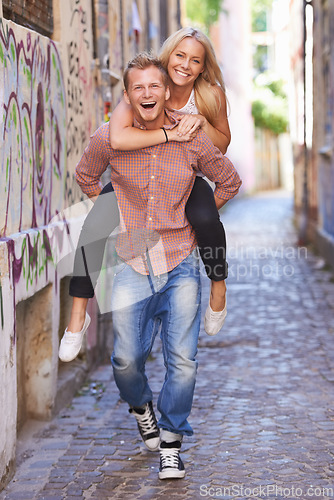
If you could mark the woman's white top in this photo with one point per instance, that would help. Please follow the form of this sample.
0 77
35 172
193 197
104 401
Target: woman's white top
190 107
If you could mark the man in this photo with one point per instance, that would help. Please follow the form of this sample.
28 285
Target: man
157 281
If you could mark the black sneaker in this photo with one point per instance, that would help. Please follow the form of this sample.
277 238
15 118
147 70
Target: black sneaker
147 425
171 465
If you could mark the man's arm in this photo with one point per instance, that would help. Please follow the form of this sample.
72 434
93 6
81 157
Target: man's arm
219 169
94 162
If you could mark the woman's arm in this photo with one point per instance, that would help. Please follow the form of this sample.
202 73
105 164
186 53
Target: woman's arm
219 132
124 136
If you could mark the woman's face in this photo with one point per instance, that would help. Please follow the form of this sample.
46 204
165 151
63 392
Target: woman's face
186 62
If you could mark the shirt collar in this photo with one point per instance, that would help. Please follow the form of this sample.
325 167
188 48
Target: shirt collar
174 118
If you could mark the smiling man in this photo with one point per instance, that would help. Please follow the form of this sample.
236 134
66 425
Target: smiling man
157 281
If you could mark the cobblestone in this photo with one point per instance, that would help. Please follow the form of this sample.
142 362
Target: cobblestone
263 414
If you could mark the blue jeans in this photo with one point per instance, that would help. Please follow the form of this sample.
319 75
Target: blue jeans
143 306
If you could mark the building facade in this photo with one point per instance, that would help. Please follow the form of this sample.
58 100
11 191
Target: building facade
61 65
323 125
312 118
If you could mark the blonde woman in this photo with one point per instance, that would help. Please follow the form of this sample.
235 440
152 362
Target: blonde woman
197 91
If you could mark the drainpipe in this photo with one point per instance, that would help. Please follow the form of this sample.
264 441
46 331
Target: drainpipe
304 212
303 215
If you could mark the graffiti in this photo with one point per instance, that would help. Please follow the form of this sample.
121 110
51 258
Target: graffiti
34 255
28 259
44 124
33 124
79 82
73 191
80 15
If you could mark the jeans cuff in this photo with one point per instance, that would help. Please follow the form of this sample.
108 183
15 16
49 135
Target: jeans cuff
170 437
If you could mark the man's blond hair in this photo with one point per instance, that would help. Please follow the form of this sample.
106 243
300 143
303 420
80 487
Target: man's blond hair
142 61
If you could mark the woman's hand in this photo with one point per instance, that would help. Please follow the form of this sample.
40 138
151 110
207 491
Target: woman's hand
189 124
174 134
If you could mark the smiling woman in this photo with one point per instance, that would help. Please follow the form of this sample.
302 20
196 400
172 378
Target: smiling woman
185 64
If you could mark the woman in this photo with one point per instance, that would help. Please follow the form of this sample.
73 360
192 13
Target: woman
196 90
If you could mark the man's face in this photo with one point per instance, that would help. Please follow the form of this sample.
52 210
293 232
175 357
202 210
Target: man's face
147 95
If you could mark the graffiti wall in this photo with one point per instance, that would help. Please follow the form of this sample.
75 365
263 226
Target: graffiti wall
32 125
46 118
51 101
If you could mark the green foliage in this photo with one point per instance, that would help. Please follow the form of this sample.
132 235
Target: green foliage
260 58
269 106
277 87
203 13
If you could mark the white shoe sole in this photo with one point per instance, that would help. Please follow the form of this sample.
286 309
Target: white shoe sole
172 474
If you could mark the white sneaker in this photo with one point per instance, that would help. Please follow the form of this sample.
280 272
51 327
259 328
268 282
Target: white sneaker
214 321
71 343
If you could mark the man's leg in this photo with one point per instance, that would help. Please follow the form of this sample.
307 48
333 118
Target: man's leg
179 309
131 298
134 333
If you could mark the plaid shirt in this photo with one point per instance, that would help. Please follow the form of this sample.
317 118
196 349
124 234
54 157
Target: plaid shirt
152 186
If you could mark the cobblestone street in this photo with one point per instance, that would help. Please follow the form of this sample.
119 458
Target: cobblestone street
263 415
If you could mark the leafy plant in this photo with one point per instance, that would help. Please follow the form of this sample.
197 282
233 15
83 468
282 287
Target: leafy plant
204 13
269 106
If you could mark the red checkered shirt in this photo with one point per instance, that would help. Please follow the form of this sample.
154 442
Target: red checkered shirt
152 186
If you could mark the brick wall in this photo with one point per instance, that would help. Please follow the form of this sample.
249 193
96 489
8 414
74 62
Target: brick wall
34 14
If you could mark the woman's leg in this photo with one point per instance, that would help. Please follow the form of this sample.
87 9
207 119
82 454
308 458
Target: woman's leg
203 215
99 224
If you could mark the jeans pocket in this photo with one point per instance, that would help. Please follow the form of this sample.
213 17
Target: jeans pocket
119 266
193 259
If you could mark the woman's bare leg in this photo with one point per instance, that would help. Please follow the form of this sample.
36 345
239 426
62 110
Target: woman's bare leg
218 295
78 314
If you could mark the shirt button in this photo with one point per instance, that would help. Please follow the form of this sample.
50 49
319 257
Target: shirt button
151 197
150 218
154 156
152 176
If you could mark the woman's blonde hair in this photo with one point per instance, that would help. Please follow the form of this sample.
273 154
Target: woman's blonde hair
207 101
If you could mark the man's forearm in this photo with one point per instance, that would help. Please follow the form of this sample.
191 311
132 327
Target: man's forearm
94 197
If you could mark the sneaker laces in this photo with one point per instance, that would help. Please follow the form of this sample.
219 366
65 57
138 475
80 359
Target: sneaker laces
146 421
169 457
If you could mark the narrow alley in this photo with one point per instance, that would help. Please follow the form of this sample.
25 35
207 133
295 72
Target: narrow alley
263 415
